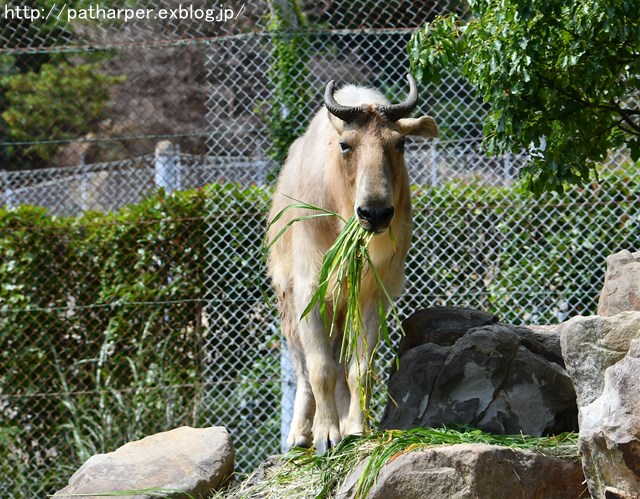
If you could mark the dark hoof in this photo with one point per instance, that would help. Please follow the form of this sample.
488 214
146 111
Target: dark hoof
324 446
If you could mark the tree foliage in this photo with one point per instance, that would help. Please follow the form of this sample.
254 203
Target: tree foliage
47 96
60 101
561 79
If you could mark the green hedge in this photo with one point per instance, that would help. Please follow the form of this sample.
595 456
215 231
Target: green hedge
523 258
103 314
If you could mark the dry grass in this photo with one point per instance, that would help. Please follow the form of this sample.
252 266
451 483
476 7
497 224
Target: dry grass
303 474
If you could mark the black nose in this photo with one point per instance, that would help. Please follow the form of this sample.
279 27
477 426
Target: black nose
375 219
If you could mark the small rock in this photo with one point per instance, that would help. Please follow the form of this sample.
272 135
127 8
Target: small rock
471 470
185 460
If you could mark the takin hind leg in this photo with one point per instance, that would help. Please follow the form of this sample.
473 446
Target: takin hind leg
300 432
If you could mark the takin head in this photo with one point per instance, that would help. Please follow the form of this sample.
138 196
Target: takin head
371 142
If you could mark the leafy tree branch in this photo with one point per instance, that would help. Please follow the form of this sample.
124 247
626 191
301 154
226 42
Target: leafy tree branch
561 79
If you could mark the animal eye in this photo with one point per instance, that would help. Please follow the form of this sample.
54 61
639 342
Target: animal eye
344 147
400 145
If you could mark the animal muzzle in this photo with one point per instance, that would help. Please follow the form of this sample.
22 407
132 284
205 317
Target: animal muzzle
375 219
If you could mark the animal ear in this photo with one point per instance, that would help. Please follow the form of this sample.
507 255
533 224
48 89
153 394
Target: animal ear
425 126
337 123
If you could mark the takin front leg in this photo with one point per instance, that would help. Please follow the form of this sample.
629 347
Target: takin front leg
358 374
304 404
322 379
342 395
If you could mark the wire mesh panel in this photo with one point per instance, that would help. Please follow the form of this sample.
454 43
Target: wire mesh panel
138 157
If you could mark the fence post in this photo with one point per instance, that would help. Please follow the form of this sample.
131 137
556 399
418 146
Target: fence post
84 186
434 164
507 169
168 174
288 389
9 195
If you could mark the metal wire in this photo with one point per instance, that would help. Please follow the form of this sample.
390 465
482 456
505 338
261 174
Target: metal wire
206 87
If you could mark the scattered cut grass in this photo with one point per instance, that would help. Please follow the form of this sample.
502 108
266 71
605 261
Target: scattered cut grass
303 474
150 492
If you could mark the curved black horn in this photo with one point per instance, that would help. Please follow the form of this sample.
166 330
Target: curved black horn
394 112
345 113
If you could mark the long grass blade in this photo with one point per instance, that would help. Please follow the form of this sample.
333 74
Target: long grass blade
340 274
291 222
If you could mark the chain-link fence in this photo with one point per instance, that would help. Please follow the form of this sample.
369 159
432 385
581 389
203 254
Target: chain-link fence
126 310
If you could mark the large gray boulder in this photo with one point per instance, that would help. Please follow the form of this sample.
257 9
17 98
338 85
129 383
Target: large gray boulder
621 290
186 461
590 345
603 358
462 366
471 470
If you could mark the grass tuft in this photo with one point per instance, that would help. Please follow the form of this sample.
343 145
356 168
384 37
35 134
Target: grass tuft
303 474
149 492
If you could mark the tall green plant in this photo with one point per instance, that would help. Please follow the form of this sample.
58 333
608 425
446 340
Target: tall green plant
100 317
288 74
